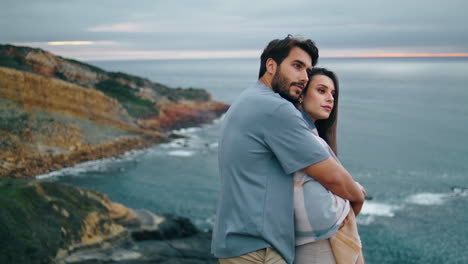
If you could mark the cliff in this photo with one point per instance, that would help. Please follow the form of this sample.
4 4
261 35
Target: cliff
55 112
48 222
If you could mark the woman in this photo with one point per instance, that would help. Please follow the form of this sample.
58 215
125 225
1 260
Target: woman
326 230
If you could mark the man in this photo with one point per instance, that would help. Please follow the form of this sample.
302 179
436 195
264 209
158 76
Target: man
263 141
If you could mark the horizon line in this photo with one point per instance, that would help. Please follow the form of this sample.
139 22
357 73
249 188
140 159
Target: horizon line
329 56
118 54
397 55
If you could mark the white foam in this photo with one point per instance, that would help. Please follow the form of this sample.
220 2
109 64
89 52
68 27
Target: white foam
220 119
95 165
458 192
427 198
189 130
101 165
177 143
365 219
379 209
181 153
213 145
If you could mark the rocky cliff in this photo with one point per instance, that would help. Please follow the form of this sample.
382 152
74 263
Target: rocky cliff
48 222
55 112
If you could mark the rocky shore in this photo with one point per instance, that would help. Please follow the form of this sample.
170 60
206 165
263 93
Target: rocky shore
24 164
49 222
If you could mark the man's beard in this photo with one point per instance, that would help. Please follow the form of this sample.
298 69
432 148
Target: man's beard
280 85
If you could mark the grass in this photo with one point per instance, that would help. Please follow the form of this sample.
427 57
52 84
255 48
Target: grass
31 226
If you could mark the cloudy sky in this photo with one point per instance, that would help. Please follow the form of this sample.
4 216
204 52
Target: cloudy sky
165 29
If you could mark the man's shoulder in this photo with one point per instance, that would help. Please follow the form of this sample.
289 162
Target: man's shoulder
263 98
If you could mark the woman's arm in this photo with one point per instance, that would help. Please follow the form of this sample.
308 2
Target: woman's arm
336 178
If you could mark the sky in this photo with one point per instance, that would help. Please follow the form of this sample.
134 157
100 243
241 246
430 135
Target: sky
182 29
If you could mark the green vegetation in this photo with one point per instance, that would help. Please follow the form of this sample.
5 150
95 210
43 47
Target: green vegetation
177 94
135 105
94 68
16 123
13 57
172 94
13 62
38 218
130 78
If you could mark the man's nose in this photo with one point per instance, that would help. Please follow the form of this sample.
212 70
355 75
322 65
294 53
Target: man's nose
305 76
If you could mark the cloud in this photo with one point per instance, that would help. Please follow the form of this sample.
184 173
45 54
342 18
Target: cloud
121 27
363 27
72 43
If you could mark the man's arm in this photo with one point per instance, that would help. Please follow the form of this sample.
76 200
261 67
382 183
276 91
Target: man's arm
336 178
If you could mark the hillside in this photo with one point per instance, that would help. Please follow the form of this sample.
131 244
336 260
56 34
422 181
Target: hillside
49 222
55 112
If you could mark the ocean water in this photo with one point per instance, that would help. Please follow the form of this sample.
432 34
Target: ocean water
403 127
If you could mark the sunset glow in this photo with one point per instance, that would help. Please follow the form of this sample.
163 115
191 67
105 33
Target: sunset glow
397 55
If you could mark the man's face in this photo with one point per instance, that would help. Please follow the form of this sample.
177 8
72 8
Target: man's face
291 75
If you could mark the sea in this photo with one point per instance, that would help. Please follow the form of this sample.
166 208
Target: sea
402 133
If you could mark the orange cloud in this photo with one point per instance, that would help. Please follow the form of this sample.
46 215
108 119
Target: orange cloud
396 55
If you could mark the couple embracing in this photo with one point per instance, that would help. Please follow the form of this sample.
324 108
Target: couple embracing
285 197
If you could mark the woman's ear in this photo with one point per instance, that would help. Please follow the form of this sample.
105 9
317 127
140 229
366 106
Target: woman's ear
271 66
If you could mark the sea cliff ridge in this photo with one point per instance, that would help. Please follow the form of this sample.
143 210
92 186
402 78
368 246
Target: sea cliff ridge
56 112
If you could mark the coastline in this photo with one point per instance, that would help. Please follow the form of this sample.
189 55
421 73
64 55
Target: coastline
18 166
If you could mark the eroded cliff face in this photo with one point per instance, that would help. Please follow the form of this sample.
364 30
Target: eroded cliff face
50 94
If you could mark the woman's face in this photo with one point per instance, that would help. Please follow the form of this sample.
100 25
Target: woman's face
318 102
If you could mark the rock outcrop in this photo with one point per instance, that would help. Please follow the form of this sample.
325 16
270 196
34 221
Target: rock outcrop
48 222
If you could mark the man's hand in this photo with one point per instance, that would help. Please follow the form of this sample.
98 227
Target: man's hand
337 179
362 188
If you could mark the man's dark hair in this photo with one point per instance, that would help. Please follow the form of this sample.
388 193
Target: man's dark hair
278 50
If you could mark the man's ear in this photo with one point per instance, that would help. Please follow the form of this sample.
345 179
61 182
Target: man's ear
271 66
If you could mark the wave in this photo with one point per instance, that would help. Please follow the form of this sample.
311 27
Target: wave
176 143
189 130
371 210
95 165
101 165
379 209
428 198
181 153
213 145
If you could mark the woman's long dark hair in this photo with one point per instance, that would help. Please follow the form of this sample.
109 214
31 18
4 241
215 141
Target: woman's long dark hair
327 127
